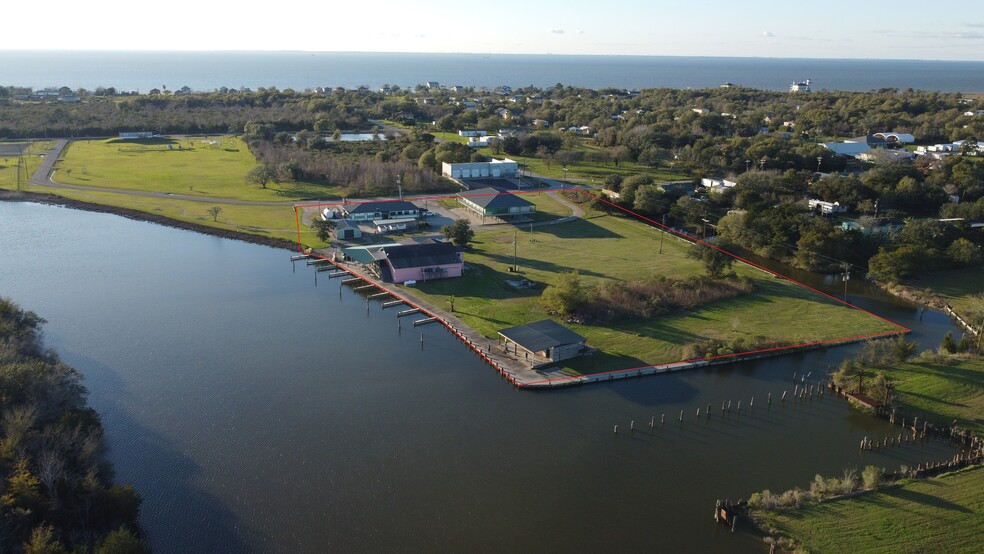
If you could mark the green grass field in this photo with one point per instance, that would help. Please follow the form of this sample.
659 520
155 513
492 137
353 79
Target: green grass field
31 161
936 515
963 289
942 391
191 166
605 248
270 221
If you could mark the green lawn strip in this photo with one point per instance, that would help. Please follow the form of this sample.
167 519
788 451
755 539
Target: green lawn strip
197 168
609 249
936 515
942 391
267 221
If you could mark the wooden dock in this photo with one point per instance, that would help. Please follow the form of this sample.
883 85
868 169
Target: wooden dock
520 372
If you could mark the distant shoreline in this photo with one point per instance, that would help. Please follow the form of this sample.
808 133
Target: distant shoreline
300 70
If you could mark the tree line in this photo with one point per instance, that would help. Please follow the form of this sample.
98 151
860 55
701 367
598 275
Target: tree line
56 488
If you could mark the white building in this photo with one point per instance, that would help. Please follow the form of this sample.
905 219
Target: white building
897 138
801 86
477 170
466 133
716 186
827 208
129 135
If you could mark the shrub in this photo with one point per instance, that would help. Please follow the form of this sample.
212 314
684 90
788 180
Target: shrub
872 477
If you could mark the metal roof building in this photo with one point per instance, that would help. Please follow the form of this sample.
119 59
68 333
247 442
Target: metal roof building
543 341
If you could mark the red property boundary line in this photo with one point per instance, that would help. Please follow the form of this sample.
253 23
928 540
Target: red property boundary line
619 373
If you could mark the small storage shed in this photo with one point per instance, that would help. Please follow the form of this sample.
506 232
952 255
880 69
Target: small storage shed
543 341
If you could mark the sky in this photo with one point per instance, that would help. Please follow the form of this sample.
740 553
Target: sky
901 29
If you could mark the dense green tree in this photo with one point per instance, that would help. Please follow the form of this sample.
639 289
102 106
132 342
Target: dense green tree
324 227
460 232
261 175
565 296
717 263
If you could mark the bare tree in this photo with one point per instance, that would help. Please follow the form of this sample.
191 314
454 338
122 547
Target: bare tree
214 211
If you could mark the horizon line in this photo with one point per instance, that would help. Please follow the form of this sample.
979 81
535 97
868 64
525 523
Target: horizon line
460 53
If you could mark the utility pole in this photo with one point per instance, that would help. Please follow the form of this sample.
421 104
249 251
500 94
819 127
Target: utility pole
515 240
847 277
399 185
662 234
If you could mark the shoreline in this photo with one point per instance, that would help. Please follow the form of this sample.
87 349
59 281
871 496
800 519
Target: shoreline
137 215
512 370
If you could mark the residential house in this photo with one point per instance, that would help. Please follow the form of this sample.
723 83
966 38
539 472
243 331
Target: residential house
800 86
467 133
715 186
877 226
826 208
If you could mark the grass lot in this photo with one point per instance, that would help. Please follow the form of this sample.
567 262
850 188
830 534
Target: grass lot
942 390
8 165
197 168
610 248
271 221
962 289
936 515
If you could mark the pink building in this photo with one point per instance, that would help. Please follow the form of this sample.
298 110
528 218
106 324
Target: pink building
419 262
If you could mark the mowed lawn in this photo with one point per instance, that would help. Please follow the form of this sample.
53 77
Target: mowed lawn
942 391
212 168
9 161
963 289
605 248
270 221
936 515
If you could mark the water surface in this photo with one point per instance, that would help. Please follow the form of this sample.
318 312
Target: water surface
256 412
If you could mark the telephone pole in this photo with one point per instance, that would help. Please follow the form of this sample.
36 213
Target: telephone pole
847 277
662 234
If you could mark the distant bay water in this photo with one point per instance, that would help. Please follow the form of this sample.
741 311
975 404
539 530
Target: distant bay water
207 71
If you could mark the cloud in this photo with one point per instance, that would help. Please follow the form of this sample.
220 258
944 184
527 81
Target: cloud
556 31
580 32
768 34
973 24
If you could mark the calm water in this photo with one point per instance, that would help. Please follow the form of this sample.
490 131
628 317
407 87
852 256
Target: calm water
206 71
257 413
